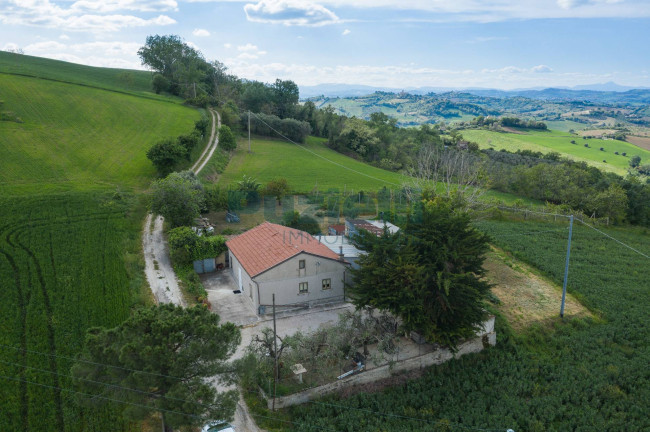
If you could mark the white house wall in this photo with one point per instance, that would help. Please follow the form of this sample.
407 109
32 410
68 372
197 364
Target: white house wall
284 280
249 287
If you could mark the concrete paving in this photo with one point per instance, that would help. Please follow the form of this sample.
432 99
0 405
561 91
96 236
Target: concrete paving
236 308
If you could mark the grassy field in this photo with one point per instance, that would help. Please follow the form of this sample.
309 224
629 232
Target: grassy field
578 374
81 135
119 80
560 142
305 168
71 175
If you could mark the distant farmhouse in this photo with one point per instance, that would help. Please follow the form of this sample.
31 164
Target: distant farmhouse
292 264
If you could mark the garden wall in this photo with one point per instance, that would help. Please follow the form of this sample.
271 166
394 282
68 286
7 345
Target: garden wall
484 338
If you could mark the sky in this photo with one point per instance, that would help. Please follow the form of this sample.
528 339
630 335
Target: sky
503 44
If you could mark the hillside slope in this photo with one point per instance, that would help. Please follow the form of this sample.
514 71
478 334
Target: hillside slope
81 135
72 168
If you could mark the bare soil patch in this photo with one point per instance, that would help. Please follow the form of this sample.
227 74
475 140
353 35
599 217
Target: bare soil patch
526 297
597 132
513 130
639 141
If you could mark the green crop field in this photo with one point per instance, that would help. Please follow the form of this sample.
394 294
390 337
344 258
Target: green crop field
579 375
68 261
303 169
81 135
557 141
120 80
71 171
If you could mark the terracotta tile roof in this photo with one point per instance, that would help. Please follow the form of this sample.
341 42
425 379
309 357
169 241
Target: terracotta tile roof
268 244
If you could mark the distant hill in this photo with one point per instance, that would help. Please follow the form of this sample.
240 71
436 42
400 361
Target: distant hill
609 92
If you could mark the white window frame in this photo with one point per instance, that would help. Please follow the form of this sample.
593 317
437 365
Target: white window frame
300 287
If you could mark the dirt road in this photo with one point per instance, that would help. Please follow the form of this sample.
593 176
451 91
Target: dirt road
158 268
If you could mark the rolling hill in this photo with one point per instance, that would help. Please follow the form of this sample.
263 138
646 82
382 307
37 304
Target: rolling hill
72 171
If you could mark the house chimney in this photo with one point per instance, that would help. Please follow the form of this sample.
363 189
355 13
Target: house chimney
341 256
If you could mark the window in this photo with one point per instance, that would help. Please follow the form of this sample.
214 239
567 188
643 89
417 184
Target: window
327 284
303 288
301 264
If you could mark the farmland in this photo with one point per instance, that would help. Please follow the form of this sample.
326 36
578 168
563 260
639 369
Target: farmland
79 135
67 261
303 170
580 374
72 172
556 141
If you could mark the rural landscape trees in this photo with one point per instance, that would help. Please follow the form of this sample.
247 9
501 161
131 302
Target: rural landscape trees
428 273
178 197
161 358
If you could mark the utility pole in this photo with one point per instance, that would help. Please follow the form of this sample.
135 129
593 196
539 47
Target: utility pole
249 132
275 355
566 267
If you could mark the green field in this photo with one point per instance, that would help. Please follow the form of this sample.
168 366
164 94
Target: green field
119 80
81 135
71 210
578 375
67 261
305 167
557 141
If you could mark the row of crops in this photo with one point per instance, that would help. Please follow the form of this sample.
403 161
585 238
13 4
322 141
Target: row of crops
62 270
577 375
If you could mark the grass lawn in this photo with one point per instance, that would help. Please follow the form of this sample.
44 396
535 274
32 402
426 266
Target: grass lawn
81 135
305 168
560 142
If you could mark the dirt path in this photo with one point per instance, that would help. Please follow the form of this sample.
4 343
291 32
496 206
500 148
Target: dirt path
158 268
202 161
157 265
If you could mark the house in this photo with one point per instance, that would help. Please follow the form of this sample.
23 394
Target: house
352 227
342 246
274 259
336 230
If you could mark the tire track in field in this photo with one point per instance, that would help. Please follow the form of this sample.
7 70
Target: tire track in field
50 333
24 406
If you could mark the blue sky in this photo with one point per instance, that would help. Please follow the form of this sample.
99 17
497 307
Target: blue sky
409 43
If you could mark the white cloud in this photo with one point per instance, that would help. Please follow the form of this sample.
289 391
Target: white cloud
247 48
100 53
10 47
201 32
320 12
416 76
64 37
44 13
290 13
346 32
104 6
227 45
541 69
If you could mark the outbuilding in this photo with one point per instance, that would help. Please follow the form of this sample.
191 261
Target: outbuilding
292 264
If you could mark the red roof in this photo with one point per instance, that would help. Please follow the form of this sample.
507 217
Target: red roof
268 244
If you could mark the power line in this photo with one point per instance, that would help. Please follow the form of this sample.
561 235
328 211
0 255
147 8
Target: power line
323 157
95 363
612 238
158 396
98 396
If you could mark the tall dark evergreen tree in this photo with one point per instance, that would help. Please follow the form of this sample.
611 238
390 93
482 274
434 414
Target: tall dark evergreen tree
164 358
429 274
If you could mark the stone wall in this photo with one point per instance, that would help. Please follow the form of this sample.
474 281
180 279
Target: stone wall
483 339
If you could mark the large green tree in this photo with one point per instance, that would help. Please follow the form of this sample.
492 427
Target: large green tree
178 197
429 273
164 358
166 154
